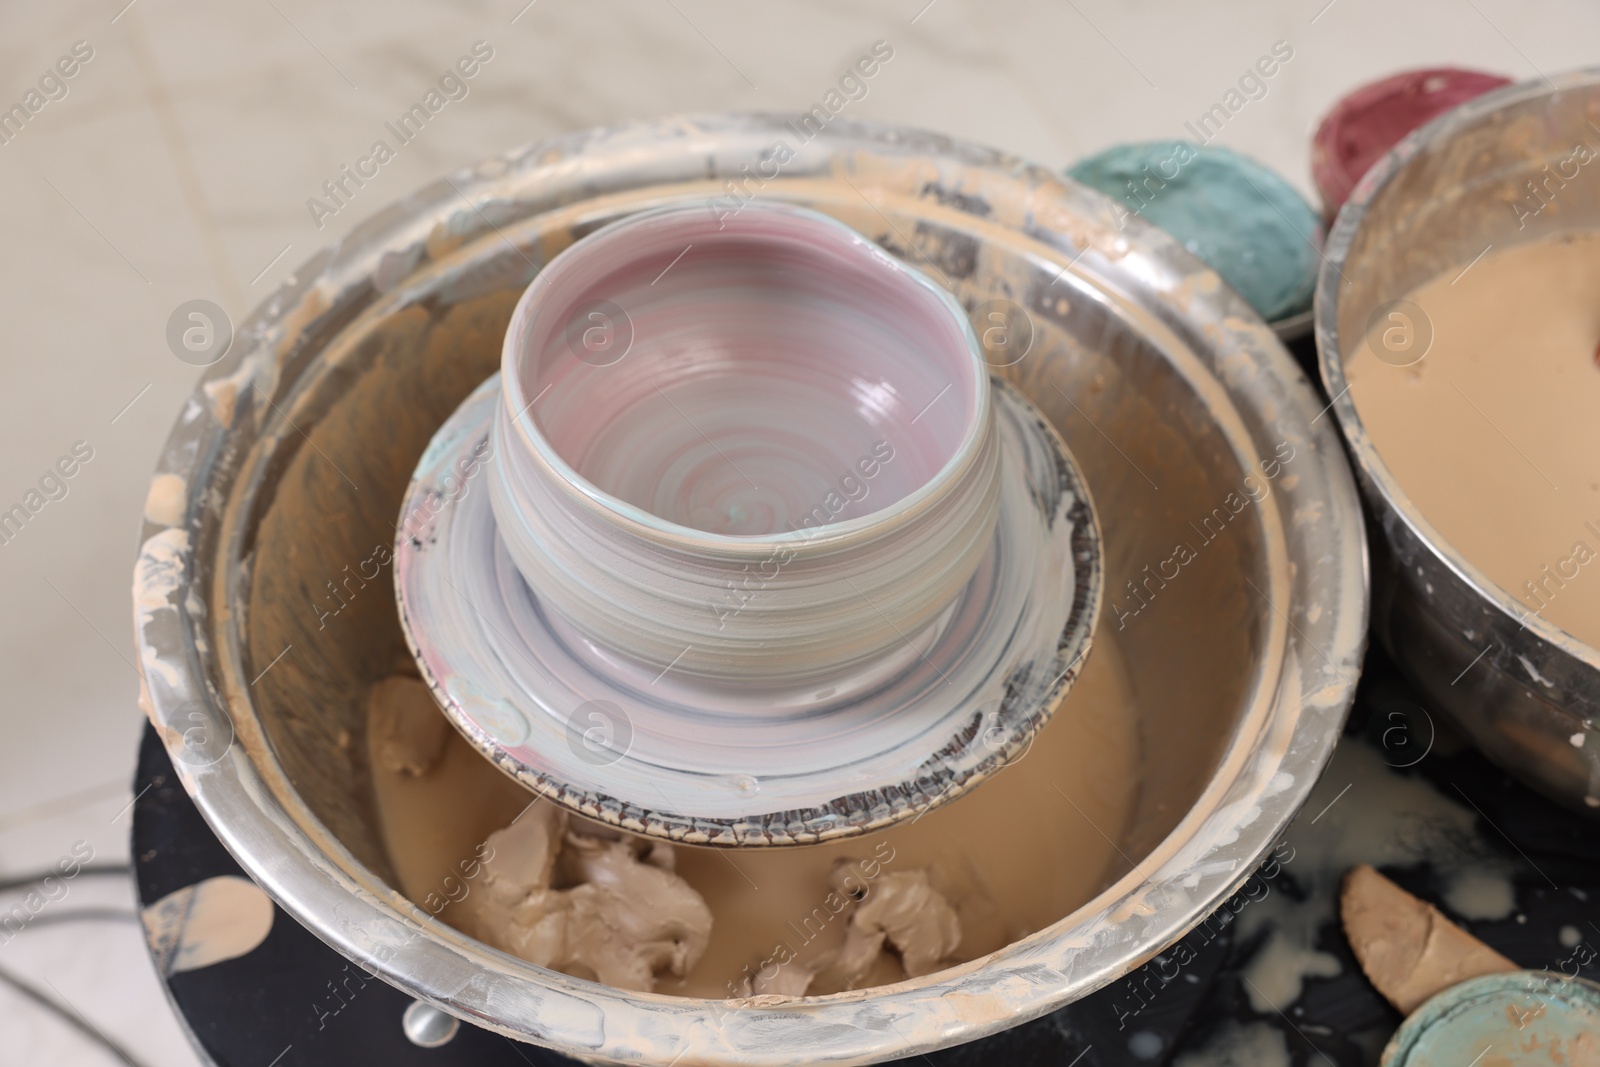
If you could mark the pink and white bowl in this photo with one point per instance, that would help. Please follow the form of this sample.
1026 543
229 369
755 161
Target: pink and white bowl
766 403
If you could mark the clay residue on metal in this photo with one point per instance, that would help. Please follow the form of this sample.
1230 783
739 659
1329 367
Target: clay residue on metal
321 585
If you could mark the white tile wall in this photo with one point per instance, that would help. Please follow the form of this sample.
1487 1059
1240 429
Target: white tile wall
179 164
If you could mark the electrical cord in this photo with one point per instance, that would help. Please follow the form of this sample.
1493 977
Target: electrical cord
91 870
68 1015
65 1012
50 918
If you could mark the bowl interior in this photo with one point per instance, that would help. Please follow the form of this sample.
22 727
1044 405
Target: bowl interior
733 374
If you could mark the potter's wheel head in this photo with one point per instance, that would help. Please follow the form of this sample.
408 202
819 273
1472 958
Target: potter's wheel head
673 754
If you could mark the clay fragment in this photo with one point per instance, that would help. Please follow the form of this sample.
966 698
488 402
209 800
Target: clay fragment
1407 948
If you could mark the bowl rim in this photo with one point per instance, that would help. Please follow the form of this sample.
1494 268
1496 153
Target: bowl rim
1330 357
635 521
1289 720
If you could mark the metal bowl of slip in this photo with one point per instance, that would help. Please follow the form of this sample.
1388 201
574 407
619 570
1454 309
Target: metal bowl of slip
1234 560
1469 593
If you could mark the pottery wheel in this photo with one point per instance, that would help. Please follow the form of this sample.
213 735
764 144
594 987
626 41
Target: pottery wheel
744 766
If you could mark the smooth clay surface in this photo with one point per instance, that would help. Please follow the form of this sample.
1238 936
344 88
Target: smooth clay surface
1020 852
1492 433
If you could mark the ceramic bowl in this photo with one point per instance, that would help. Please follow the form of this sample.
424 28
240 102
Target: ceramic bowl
754 448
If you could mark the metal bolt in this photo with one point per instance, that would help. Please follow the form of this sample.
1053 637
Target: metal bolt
427 1026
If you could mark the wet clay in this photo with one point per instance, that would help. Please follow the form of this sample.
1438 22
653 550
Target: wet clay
1020 852
404 727
1023 850
607 909
1493 434
1407 947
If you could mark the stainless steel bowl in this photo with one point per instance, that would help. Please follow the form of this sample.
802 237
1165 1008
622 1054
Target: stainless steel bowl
1171 393
1434 203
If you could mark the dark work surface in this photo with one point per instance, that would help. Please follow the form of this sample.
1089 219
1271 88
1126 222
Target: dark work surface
1304 351
294 1002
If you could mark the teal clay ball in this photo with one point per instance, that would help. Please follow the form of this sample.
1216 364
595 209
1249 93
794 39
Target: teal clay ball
1247 223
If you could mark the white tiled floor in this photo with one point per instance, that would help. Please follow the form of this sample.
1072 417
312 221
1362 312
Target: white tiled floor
179 164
